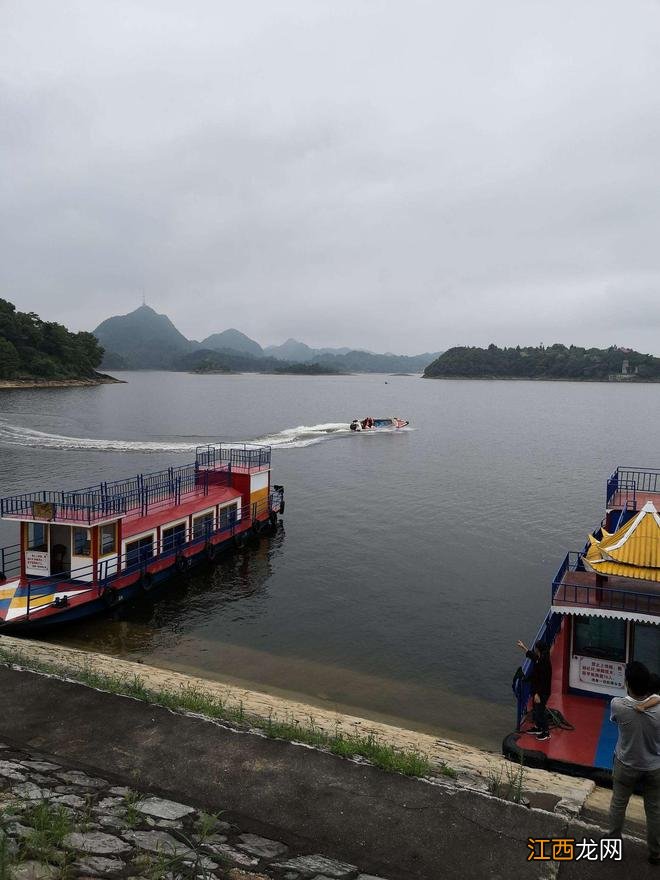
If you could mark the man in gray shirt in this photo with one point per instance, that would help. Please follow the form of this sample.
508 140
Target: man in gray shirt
637 755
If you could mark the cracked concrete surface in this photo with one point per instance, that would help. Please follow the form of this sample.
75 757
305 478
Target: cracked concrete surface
392 826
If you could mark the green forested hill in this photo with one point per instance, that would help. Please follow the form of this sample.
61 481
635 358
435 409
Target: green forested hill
34 349
554 362
143 339
208 361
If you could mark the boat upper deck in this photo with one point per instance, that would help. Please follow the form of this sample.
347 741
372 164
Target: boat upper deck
143 495
195 501
632 488
577 591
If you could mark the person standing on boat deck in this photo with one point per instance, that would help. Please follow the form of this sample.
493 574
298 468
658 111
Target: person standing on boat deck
541 682
637 755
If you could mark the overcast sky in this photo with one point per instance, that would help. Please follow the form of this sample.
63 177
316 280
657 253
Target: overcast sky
399 176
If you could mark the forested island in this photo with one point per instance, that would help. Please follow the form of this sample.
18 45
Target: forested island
232 362
36 352
541 362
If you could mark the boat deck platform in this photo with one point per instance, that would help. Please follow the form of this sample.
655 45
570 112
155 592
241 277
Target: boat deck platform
634 501
583 589
588 747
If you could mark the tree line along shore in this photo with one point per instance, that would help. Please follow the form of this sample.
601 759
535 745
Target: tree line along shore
554 362
36 352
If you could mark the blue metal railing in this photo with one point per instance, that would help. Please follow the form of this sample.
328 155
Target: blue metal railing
109 499
247 456
612 487
522 687
138 493
631 481
10 561
600 595
622 516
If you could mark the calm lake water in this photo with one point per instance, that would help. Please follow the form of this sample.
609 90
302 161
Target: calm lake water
408 563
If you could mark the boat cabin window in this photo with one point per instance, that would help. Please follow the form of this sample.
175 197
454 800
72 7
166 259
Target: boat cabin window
108 539
174 537
82 544
202 525
37 537
646 645
227 516
601 637
140 550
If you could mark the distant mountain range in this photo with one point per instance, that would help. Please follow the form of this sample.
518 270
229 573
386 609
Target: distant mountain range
145 340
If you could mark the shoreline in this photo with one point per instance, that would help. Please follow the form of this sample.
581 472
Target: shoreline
101 379
474 768
316 702
489 378
131 772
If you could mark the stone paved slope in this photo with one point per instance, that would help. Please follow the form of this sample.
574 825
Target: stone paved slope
62 823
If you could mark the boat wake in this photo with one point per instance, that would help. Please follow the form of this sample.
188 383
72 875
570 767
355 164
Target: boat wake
290 438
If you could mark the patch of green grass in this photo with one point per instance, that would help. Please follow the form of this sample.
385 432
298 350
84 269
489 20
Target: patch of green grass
50 824
86 818
52 821
132 816
190 699
206 824
6 857
507 781
190 866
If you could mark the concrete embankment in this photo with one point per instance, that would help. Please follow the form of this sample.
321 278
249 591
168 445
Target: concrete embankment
383 824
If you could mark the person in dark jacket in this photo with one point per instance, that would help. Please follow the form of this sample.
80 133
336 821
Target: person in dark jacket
541 686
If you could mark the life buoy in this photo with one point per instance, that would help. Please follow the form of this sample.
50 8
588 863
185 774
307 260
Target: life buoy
110 597
147 581
182 563
211 552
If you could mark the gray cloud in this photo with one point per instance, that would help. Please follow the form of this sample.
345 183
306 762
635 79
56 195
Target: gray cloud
396 176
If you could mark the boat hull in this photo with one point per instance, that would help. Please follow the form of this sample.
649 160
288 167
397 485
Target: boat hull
141 583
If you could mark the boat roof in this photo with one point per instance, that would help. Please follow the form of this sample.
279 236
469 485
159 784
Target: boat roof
632 551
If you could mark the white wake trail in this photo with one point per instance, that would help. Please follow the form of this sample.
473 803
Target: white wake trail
290 438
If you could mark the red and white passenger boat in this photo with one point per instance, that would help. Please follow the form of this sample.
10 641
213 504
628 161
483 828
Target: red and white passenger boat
604 612
83 551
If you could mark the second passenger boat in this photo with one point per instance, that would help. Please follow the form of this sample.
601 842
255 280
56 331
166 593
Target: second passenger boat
83 551
604 612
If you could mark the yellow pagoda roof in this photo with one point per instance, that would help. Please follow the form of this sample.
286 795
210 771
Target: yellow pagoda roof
632 551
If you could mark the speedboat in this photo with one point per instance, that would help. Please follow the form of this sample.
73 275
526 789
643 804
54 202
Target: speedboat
371 424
